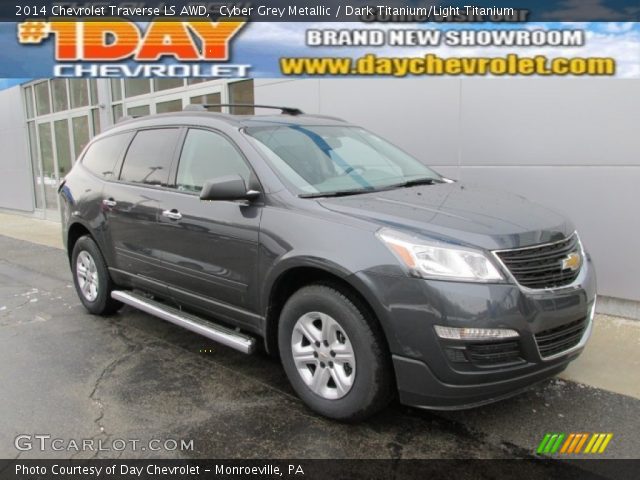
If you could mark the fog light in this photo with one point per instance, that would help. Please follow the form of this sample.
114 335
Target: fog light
451 333
456 355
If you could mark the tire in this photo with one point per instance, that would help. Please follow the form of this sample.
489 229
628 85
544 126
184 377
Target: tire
91 278
344 392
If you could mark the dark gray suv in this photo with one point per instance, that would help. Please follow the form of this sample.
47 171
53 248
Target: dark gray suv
367 272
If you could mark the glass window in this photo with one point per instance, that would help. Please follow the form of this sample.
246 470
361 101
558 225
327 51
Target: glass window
28 102
79 92
103 155
136 86
207 155
194 80
36 166
210 99
322 159
241 92
93 90
60 100
63 147
116 89
80 127
117 112
49 175
42 98
169 106
149 157
140 111
167 83
46 150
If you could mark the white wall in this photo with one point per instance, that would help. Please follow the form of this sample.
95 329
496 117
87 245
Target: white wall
573 145
16 190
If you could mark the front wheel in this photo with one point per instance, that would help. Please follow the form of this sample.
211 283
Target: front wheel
334 354
91 278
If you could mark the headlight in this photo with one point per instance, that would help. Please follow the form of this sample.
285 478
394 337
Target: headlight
426 260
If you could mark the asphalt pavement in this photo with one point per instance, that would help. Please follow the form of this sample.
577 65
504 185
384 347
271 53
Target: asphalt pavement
77 377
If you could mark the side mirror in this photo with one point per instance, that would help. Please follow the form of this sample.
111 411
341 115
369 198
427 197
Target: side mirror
229 188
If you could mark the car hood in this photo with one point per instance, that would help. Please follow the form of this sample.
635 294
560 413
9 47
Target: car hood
459 214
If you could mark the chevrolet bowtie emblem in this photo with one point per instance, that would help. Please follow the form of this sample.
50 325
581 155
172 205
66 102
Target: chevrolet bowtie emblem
572 261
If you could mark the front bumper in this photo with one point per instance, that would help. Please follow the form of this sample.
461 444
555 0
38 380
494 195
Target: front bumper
450 374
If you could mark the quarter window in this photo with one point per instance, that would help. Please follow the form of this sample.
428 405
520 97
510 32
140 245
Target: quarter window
205 156
103 155
149 157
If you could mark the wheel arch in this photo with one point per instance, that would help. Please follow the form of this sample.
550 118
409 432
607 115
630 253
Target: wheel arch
76 230
301 274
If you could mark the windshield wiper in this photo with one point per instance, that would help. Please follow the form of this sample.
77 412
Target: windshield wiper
414 183
357 191
338 193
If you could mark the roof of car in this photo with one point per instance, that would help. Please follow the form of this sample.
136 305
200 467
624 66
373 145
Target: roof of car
238 121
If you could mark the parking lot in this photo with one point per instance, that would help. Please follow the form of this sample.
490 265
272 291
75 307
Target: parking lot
131 376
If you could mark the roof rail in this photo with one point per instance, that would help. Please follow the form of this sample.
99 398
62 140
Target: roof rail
206 106
327 117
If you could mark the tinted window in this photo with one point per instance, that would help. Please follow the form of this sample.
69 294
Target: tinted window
103 155
207 155
149 157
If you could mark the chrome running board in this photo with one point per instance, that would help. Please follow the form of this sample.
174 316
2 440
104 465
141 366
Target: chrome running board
226 336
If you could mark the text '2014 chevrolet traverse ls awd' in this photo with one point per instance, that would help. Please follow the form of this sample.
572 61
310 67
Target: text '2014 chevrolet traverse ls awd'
366 272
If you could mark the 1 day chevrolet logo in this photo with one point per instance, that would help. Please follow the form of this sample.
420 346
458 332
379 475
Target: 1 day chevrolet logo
572 261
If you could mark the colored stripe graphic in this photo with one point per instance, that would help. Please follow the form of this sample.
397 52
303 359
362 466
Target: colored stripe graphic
604 445
581 443
572 443
551 443
556 445
598 443
543 443
568 442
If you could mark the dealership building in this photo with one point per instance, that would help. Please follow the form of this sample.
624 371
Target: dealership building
570 144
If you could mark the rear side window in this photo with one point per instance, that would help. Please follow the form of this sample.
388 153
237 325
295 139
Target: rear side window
205 156
103 155
149 157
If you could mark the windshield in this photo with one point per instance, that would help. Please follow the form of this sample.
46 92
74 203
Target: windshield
333 159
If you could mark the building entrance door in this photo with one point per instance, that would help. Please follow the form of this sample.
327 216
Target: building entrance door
60 140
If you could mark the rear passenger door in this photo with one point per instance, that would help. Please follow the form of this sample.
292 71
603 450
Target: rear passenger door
132 204
211 248
102 159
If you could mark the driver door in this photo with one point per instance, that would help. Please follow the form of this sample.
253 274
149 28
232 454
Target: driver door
210 248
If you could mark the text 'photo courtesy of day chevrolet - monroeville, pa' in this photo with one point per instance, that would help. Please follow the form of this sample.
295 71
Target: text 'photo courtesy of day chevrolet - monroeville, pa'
319 239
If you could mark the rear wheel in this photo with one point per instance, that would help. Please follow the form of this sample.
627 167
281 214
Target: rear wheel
91 278
334 354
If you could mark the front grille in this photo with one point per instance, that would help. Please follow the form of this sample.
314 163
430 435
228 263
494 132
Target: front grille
494 354
541 266
559 339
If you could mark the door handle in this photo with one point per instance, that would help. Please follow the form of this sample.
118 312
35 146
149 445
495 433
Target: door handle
109 202
172 214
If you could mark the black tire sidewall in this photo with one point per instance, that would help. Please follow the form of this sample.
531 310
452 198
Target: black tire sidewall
102 302
366 390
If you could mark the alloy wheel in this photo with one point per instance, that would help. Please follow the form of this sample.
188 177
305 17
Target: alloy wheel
87 274
323 355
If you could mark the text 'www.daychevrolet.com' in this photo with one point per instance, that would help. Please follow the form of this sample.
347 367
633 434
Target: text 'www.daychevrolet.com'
434 65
